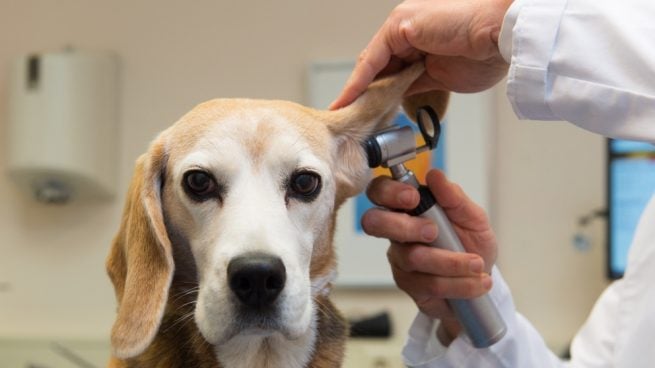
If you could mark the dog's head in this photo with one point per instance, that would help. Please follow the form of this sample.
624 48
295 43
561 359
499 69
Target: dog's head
241 195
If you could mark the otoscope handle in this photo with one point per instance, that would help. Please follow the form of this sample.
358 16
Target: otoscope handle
479 316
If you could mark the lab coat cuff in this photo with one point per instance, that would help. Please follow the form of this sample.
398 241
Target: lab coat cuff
527 38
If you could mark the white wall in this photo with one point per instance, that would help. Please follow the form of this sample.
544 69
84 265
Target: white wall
175 54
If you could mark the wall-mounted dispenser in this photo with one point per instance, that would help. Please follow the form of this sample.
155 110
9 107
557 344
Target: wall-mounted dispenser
63 126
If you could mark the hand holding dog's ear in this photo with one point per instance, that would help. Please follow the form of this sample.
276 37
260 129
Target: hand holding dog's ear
458 41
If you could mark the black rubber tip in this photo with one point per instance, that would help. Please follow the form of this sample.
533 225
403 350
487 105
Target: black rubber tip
373 152
427 201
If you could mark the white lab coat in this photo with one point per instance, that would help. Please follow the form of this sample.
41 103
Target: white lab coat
590 62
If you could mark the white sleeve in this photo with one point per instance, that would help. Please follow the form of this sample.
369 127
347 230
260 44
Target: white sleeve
587 62
522 346
594 344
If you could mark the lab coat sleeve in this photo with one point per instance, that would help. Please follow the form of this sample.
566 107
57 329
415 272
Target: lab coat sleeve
587 62
594 344
522 346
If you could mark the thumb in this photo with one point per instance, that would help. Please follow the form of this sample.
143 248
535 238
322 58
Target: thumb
459 208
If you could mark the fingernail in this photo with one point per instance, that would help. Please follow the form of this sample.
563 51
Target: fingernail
429 232
486 282
476 265
406 197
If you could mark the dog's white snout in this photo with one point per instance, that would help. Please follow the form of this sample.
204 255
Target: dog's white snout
257 279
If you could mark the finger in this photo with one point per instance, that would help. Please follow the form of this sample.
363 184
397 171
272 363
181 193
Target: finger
434 261
422 287
371 61
398 226
435 308
465 75
425 83
459 208
479 242
457 74
383 191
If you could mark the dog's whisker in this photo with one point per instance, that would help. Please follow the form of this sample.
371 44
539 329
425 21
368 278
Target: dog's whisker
189 292
187 282
186 292
193 302
179 321
179 298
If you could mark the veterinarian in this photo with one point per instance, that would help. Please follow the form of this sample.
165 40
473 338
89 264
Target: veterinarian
591 63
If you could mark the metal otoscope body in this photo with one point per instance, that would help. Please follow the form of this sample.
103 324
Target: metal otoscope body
391 148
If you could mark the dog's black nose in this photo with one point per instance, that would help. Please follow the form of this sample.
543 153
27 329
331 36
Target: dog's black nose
256 278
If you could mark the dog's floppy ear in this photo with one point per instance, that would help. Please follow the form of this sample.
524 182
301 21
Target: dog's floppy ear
140 262
372 111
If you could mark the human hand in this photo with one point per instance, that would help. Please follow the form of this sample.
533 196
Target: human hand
457 39
431 275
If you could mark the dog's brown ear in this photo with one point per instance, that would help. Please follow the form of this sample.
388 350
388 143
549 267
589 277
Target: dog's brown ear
140 262
372 111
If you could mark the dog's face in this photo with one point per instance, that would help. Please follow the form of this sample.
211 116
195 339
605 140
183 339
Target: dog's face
251 193
240 196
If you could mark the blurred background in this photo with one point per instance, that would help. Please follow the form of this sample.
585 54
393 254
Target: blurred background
56 302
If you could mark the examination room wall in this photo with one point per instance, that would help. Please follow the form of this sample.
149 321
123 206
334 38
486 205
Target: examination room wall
176 54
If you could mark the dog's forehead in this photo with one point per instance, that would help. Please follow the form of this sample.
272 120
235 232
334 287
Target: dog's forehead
254 125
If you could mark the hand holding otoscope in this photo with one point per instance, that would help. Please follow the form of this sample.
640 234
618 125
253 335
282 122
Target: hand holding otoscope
391 148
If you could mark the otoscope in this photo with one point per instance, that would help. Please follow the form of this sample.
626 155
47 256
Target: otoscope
391 148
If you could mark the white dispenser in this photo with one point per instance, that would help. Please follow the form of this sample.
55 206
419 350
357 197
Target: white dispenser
63 125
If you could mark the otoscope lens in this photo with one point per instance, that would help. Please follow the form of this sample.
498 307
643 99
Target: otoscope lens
428 123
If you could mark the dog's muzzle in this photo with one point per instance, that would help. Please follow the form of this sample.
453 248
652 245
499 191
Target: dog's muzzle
257 279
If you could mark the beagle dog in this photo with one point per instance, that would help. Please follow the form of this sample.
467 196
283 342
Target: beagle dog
224 255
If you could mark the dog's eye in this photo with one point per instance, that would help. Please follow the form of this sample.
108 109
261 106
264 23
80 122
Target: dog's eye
305 185
200 185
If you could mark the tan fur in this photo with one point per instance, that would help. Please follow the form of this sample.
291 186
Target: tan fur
141 263
258 146
154 326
